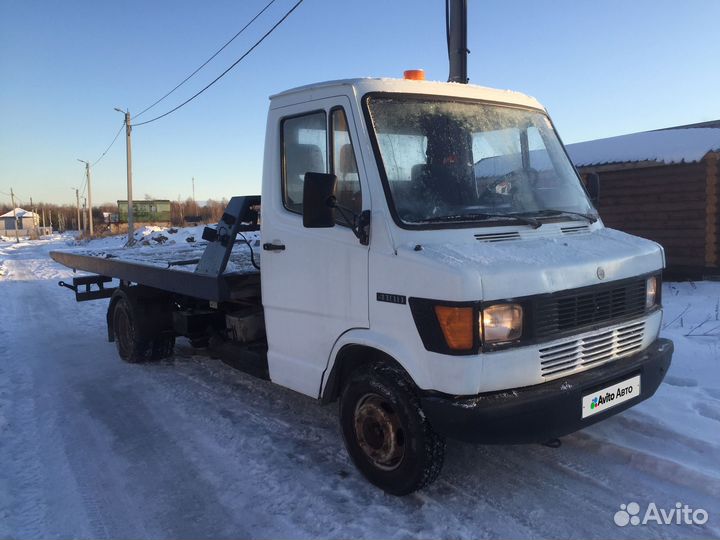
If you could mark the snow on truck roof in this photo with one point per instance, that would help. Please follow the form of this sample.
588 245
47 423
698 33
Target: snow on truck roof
684 145
362 86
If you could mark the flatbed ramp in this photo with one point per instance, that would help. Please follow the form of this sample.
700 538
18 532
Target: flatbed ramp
220 268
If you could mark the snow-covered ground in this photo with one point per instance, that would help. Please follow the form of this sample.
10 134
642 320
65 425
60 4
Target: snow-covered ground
93 447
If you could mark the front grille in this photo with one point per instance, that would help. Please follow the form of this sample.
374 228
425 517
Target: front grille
610 302
592 350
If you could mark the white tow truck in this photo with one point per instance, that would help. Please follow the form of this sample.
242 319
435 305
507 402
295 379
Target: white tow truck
430 260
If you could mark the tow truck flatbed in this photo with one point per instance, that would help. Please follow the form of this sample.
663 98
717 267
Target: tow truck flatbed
218 269
228 286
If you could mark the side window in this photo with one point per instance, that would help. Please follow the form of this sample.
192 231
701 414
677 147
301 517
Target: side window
304 149
347 190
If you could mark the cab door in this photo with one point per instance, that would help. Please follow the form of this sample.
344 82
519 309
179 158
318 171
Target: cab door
314 281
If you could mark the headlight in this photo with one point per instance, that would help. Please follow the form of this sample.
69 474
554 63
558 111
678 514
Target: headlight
502 322
651 291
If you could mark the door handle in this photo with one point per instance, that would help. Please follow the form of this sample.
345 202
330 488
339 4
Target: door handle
273 247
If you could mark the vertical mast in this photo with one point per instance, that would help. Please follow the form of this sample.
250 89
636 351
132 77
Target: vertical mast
456 26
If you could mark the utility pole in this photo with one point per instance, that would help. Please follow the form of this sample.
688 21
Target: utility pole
32 209
84 215
89 197
12 198
194 203
77 198
128 149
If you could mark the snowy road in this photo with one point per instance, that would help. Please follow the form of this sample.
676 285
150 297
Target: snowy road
93 447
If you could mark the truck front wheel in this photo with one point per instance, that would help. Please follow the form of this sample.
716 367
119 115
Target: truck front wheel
385 432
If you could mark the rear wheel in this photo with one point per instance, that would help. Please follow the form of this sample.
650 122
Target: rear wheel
385 432
131 345
163 346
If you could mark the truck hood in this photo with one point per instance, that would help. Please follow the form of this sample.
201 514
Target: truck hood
522 267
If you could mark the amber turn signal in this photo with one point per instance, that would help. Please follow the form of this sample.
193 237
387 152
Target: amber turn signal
457 326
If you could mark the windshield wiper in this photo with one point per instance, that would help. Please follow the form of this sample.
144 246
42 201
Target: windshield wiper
534 223
553 212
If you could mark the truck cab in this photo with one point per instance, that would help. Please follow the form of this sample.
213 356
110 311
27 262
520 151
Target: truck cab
433 261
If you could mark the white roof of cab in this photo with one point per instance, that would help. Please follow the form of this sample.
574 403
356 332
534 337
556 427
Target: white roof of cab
366 85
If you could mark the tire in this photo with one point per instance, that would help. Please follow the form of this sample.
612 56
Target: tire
163 346
386 433
131 345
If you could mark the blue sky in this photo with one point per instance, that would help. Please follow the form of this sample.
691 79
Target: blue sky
601 68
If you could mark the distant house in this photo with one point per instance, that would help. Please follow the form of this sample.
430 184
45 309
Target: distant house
19 219
663 185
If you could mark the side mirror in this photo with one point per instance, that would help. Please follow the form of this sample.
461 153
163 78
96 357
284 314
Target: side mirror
318 207
593 187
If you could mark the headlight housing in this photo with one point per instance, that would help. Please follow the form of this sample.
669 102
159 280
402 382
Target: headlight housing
500 323
652 290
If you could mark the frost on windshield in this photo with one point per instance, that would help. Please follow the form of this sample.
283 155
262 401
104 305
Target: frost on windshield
447 160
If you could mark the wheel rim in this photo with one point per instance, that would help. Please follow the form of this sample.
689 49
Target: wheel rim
379 432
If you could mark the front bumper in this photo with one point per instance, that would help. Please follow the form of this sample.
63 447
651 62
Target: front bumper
536 414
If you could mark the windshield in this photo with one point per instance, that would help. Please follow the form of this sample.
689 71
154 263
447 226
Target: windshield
472 161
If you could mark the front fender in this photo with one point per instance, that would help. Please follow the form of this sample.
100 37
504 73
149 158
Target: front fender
383 343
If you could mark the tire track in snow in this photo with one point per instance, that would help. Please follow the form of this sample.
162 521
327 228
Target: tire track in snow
122 449
701 453
21 499
65 491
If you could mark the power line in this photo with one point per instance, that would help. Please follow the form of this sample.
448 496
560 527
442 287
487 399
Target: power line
6 194
209 59
16 195
258 42
110 145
